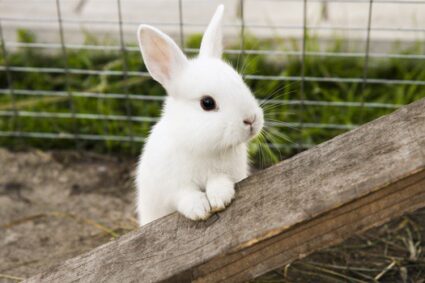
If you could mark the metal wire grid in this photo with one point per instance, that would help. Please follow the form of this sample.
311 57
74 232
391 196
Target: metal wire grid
123 48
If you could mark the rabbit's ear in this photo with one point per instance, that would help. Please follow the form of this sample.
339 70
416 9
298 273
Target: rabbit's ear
163 58
212 41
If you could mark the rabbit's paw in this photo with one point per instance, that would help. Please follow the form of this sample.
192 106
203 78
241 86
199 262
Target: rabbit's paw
220 193
194 205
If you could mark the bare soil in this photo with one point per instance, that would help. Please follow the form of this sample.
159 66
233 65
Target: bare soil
55 205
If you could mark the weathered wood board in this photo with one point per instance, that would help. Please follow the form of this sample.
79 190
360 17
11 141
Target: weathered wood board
316 199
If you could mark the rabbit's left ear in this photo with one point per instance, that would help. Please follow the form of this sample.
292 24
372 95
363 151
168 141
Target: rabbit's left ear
212 41
163 58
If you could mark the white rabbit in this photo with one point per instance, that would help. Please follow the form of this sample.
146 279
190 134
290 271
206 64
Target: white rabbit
197 151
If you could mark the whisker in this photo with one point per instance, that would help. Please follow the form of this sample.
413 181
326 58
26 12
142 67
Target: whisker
274 98
267 148
274 94
276 134
286 113
285 89
272 123
261 140
277 148
270 96
271 107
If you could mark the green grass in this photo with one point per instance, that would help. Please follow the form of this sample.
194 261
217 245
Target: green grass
282 65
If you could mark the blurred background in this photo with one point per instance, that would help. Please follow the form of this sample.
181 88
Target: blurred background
71 74
76 104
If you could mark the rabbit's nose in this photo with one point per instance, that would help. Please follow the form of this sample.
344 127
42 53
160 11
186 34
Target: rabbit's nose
249 121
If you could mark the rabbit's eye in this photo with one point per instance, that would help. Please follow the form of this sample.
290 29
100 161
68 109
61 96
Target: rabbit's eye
208 103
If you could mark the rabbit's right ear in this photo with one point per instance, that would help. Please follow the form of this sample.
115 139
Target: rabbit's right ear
163 58
212 41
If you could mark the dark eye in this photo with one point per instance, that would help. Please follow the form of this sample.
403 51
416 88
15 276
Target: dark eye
208 103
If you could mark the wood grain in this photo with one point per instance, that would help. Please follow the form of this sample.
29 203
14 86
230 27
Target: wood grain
316 199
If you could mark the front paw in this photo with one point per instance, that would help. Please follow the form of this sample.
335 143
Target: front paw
194 205
220 195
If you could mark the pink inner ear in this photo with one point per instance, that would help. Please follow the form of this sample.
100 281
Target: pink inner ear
158 57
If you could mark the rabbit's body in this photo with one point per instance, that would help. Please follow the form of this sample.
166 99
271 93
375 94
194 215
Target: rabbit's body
161 182
198 150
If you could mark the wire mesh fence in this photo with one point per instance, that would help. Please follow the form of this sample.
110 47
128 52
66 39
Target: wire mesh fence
314 79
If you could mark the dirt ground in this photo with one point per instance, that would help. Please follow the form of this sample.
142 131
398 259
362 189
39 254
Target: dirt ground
56 205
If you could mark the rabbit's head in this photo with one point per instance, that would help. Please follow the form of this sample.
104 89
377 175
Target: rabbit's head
208 105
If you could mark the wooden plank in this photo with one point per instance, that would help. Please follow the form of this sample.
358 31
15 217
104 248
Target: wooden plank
329 229
318 198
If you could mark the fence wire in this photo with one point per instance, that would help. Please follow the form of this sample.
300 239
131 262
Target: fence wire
8 46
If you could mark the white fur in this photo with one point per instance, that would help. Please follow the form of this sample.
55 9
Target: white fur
193 157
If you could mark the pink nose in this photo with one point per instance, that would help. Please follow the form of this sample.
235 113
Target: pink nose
249 121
